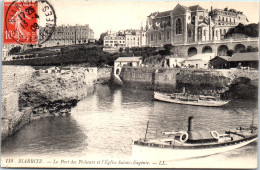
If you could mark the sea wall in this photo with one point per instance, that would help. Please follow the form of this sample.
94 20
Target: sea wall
155 78
170 79
42 93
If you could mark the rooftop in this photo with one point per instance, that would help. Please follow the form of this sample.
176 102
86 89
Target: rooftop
204 56
222 57
126 59
196 8
251 56
163 14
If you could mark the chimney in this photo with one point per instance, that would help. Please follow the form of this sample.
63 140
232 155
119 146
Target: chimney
190 124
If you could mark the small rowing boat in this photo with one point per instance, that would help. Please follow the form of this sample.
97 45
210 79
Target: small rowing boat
196 100
190 144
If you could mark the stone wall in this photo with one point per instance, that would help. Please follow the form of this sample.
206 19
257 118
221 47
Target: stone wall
170 79
163 79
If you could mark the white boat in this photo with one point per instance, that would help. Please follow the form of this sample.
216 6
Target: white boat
188 144
196 101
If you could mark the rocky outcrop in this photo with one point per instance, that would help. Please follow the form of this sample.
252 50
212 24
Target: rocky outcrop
53 93
200 78
44 94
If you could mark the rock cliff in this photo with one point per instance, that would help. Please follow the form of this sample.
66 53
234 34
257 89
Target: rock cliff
44 94
50 93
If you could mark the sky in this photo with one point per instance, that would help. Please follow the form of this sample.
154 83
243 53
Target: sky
117 15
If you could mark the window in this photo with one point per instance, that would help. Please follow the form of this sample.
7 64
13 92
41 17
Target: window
204 33
168 34
226 19
225 31
159 36
234 21
216 33
230 20
151 37
223 19
189 33
220 31
178 26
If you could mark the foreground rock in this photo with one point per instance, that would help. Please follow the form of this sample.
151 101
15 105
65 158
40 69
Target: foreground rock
44 94
44 89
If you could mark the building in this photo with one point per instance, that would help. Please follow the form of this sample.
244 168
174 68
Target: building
220 62
126 61
199 61
185 25
67 35
135 38
172 61
124 38
114 41
226 19
244 60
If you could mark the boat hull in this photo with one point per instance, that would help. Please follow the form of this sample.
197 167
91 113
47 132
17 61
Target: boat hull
165 98
141 152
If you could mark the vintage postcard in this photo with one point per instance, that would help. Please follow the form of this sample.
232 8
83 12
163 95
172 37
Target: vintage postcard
129 84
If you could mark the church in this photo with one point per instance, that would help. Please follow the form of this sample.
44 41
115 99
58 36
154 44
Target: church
187 25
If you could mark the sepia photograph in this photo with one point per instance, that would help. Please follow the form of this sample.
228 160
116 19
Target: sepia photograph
129 84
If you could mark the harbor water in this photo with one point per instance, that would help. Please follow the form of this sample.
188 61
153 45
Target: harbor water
105 123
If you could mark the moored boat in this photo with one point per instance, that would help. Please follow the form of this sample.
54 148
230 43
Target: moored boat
190 144
196 100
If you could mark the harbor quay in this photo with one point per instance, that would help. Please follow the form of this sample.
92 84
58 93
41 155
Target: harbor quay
170 79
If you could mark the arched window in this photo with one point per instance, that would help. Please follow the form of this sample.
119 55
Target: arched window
178 26
159 36
189 33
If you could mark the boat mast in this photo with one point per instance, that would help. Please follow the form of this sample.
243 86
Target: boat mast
146 130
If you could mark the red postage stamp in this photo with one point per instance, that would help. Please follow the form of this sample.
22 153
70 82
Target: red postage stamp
20 22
